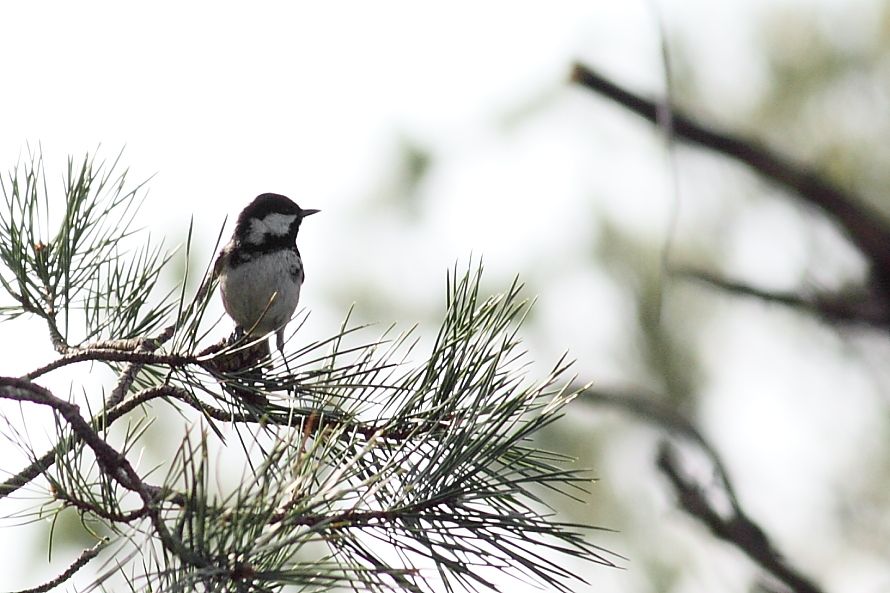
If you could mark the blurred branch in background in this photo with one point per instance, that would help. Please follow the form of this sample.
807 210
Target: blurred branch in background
863 226
867 306
857 308
734 526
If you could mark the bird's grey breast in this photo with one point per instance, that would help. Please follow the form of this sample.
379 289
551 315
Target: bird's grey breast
263 290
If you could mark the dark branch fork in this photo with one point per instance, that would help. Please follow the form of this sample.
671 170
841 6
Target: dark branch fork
737 528
114 463
734 527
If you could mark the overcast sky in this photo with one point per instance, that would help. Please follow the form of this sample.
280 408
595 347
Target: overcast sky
222 102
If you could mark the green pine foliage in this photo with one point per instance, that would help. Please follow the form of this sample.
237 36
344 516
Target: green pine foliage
372 465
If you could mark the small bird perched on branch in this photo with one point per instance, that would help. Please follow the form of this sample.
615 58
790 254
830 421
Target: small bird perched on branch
260 269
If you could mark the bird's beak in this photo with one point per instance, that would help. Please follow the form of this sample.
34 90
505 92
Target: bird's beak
308 212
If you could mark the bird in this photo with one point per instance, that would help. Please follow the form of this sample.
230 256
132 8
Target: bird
260 269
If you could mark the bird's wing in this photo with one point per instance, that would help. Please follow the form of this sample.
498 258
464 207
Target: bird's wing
214 274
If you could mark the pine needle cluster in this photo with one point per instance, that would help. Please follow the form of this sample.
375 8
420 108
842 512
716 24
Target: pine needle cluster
368 464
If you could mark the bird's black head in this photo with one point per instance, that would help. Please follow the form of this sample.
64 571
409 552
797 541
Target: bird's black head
270 219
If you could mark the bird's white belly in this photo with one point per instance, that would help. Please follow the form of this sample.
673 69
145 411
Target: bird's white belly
261 295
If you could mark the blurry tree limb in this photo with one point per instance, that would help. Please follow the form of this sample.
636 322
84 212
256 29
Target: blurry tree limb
734 527
652 409
866 228
864 308
737 529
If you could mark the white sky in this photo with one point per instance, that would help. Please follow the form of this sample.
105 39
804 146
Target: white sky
311 100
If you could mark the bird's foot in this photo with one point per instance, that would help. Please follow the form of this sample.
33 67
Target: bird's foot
236 336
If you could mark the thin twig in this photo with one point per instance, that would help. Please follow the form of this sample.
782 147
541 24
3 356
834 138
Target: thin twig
86 507
24 477
128 374
81 561
102 355
866 228
866 309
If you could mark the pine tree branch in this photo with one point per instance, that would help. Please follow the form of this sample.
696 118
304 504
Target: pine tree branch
281 416
433 460
114 464
102 355
105 419
25 476
128 374
864 226
86 507
102 421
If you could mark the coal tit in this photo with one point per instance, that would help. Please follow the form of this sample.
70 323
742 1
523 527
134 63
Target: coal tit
260 269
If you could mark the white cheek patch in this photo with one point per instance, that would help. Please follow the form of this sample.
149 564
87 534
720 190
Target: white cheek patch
273 223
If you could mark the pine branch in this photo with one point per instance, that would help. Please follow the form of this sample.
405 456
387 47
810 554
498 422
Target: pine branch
81 269
458 442
114 464
350 444
81 561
